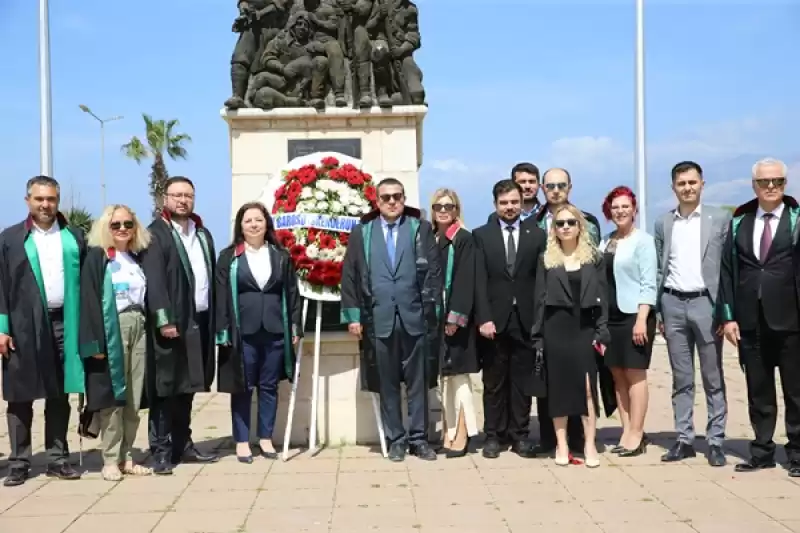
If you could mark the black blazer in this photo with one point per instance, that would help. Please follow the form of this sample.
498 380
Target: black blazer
496 287
553 290
261 308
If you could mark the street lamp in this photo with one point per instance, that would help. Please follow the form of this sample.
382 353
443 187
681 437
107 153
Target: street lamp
102 122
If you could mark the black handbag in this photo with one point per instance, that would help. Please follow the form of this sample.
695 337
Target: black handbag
539 377
89 424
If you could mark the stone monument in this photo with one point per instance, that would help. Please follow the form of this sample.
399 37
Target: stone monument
326 76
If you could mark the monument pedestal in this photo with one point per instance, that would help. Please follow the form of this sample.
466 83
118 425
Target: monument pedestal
389 144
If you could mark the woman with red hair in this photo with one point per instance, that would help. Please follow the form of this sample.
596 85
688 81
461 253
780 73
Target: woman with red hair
631 264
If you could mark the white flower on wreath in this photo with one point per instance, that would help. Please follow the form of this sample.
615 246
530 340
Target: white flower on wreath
338 253
326 185
366 209
337 207
322 206
312 251
320 195
357 200
306 193
353 210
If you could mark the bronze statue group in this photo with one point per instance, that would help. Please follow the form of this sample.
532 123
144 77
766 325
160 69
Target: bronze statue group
536 301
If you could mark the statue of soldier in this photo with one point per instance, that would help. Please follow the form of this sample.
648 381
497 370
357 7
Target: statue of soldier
259 21
359 47
287 70
394 29
328 19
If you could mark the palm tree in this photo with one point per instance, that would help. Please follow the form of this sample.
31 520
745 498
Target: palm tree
79 218
160 140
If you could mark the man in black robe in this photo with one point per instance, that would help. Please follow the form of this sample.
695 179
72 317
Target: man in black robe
40 262
179 266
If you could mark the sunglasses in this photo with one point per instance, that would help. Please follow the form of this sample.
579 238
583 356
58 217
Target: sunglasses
763 183
443 208
116 226
571 222
552 186
397 197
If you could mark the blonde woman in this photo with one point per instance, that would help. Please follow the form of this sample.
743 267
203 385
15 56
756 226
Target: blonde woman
112 334
570 326
459 358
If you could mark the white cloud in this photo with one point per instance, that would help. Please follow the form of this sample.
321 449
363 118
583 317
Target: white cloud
449 165
590 155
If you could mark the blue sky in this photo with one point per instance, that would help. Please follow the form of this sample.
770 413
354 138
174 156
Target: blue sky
544 81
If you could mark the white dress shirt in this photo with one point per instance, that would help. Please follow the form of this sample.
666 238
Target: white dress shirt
128 281
685 263
51 263
758 229
259 262
197 260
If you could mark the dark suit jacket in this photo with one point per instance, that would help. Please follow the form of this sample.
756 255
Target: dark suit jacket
496 287
260 308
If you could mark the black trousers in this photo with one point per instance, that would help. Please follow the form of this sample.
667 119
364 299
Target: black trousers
19 416
507 370
169 423
401 359
761 351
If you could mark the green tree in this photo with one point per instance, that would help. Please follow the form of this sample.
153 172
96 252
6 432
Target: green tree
730 208
160 141
79 217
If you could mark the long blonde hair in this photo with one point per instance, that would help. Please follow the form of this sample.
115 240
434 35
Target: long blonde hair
100 234
585 253
441 193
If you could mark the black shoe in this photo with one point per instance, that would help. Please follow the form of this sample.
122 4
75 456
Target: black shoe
269 455
16 476
455 454
524 449
544 449
397 452
246 459
753 465
715 456
423 451
162 467
193 455
639 450
679 452
492 449
794 469
62 471
616 449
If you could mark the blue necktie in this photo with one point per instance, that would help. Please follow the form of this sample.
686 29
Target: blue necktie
390 242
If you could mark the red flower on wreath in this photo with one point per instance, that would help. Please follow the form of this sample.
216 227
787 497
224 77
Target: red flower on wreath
317 254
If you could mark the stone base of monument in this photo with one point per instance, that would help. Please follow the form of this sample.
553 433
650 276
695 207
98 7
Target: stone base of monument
389 144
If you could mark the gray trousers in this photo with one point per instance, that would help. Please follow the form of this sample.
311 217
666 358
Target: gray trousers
688 323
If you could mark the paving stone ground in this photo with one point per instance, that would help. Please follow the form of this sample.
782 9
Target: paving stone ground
354 490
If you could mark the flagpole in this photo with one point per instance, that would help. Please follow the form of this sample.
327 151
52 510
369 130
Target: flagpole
45 95
640 156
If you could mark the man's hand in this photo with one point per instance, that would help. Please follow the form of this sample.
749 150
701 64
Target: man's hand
488 330
6 345
169 331
450 329
355 329
731 331
99 356
660 327
295 340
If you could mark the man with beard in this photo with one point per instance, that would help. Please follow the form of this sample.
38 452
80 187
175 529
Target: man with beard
40 262
527 177
179 266
508 257
557 185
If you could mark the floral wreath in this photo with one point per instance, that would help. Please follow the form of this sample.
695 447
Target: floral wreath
328 189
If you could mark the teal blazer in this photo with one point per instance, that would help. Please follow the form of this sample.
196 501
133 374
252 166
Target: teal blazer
635 267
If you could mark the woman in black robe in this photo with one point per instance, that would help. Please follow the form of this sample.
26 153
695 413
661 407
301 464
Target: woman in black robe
258 317
458 352
113 337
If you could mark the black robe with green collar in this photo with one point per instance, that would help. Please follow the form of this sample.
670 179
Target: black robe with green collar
356 306
180 365
231 376
32 371
100 333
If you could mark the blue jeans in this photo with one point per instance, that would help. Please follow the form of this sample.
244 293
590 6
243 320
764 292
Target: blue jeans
263 362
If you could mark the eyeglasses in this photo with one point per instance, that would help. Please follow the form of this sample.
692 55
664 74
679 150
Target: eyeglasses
560 186
397 197
443 208
763 183
179 195
571 222
117 225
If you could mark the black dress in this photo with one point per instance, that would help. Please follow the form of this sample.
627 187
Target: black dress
569 354
622 352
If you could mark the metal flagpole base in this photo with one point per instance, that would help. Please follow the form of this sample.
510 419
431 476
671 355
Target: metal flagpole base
293 398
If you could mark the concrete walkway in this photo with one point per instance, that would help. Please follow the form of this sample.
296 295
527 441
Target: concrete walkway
354 490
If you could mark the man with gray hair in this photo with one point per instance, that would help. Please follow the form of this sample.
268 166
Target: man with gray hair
759 305
40 263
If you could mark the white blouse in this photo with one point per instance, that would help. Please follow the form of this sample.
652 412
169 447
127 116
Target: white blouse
127 278
259 262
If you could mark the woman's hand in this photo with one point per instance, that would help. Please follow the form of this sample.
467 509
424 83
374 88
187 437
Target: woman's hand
640 332
599 348
450 329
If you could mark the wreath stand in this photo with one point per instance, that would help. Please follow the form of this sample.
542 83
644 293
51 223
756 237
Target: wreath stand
312 445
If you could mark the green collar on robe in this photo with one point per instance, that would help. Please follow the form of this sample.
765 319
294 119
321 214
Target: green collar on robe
73 365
